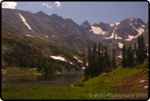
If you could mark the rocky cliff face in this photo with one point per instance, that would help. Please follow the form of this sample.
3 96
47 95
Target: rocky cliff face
65 32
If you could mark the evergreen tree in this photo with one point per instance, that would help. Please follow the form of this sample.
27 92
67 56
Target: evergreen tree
143 49
89 67
106 60
135 53
141 52
84 62
113 59
129 57
99 60
123 63
94 60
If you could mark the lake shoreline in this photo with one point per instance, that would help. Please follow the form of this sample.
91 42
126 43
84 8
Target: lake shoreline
4 74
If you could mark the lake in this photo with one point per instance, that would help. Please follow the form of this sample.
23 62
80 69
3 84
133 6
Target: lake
62 79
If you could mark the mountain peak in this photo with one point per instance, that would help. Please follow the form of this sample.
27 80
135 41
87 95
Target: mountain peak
85 23
40 12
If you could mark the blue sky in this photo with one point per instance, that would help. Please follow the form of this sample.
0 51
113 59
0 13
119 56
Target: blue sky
93 12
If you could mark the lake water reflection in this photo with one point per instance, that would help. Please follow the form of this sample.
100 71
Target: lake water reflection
62 79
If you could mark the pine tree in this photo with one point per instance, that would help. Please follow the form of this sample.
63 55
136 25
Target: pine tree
129 57
94 60
143 50
89 68
135 54
84 62
123 63
139 50
106 60
113 59
99 60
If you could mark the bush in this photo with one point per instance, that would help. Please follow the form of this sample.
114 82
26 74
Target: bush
145 64
78 83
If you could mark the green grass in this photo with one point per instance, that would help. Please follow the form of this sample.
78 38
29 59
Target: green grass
16 70
89 89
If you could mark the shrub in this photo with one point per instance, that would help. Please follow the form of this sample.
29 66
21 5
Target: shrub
78 83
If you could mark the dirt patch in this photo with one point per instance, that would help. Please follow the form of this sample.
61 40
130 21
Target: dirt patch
131 84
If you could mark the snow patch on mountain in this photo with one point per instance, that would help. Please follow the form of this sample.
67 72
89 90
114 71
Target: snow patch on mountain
24 21
120 56
143 25
129 38
59 58
46 36
77 59
131 24
117 37
97 30
53 35
140 30
83 67
112 35
112 25
29 35
120 45
117 23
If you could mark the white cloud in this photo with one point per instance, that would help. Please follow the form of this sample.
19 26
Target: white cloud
58 5
10 5
47 5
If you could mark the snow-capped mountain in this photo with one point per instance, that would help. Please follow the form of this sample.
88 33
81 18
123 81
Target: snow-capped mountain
126 29
67 33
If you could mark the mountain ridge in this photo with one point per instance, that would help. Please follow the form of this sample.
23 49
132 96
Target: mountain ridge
57 30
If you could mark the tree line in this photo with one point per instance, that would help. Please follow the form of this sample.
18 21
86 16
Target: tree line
98 60
25 56
134 56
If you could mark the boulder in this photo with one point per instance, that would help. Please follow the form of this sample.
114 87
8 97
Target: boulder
71 85
142 81
145 87
3 72
104 74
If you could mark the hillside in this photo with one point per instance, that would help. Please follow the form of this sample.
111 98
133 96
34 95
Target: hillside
29 52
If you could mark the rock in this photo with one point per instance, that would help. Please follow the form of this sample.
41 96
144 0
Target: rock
3 72
71 85
32 68
104 74
142 81
145 87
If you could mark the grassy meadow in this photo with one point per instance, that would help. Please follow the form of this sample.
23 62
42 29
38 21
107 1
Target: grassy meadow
119 81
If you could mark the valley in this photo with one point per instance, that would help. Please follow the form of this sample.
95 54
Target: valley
99 61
